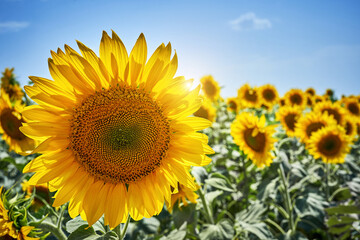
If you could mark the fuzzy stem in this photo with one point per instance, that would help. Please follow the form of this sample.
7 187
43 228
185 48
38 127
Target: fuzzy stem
246 190
206 206
327 175
49 227
123 232
288 204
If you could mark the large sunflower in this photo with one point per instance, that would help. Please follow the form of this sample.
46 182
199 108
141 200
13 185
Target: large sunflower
248 96
312 122
331 144
254 138
10 121
288 117
333 109
116 133
268 95
295 97
210 88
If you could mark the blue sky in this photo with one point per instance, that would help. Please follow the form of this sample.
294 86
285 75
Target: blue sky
286 43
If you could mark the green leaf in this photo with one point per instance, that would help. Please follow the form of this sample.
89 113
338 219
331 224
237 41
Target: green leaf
339 230
150 225
341 194
253 214
74 224
343 210
84 233
333 220
11 160
176 234
259 229
219 181
108 236
221 230
185 214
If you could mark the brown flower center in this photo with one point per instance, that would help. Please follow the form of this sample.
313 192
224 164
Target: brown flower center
257 142
296 99
333 113
354 108
313 127
330 145
269 95
290 121
10 124
251 96
119 135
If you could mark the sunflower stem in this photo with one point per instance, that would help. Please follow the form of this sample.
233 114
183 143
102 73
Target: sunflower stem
288 204
327 175
49 227
62 210
124 230
245 184
206 206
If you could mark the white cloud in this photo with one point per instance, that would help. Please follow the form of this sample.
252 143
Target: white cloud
12 26
249 21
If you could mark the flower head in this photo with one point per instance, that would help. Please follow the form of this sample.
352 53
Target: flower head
249 96
254 138
268 95
312 122
331 144
288 117
210 88
295 97
115 130
233 104
11 120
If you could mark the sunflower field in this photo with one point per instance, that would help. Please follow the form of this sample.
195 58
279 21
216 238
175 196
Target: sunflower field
116 146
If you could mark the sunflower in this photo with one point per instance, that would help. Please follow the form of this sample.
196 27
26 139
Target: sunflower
233 104
331 144
206 110
329 93
10 121
353 106
248 96
7 227
115 131
309 101
210 88
333 109
295 97
282 102
10 85
310 91
318 98
42 190
312 122
288 117
268 95
181 195
254 138
350 126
